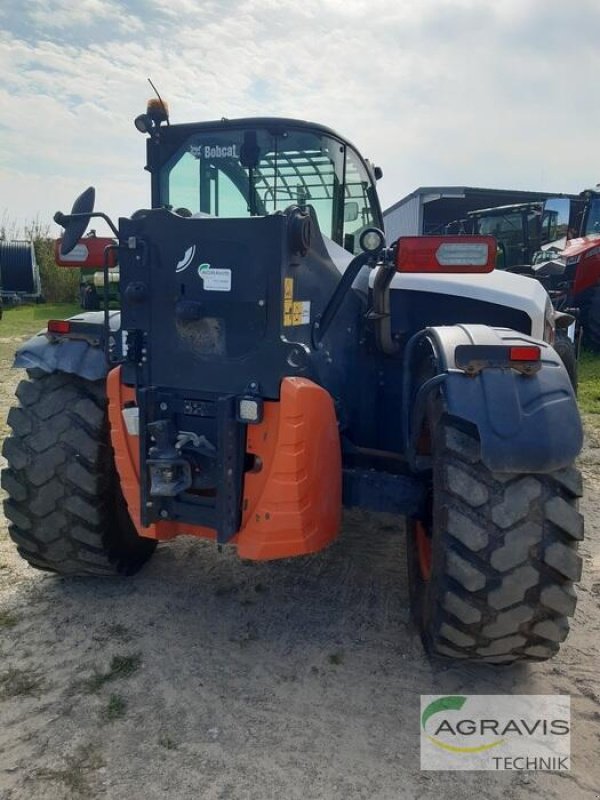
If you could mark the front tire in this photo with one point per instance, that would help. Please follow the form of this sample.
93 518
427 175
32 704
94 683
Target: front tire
65 507
491 571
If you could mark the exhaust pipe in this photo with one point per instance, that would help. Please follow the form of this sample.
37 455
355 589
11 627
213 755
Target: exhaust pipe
381 313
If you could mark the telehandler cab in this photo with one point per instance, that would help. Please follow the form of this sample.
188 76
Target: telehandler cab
274 361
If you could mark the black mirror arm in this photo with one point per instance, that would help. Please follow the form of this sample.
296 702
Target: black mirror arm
64 219
322 322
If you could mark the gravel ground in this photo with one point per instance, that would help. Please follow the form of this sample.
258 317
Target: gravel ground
207 677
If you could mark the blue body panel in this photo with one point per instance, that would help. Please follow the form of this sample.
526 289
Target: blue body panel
84 356
526 423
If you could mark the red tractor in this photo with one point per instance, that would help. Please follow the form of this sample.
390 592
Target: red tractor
581 258
570 268
88 257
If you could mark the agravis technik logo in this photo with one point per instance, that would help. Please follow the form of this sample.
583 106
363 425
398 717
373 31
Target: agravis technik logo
495 732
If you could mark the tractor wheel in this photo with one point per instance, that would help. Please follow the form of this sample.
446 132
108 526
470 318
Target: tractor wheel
65 507
590 318
90 299
568 353
491 571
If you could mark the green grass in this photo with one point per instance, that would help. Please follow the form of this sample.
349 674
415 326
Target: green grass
120 667
78 769
336 658
8 620
19 683
588 393
29 319
115 708
167 742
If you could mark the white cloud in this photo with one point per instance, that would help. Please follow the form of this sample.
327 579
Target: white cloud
66 14
436 91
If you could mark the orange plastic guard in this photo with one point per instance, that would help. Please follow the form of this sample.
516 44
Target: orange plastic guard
293 505
127 462
446 254
292 499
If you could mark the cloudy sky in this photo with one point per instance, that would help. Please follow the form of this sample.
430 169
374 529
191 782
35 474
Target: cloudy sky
438 92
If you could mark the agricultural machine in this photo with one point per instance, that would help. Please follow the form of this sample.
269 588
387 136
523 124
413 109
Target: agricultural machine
520 229
557 242
528 236
274 361
97 287
19 273
572 273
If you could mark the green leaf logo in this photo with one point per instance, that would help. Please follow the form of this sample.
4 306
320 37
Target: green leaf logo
451 703
448 703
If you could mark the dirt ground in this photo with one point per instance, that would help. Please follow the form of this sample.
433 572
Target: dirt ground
206 677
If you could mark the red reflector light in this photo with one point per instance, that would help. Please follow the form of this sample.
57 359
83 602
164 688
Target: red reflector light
59 326
446 254
527 353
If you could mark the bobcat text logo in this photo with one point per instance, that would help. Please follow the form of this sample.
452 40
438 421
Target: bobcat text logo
216 151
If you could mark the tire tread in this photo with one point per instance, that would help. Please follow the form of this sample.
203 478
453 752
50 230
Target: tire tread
61 482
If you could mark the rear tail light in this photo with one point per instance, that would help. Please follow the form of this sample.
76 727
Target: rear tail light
59 326
474 358
446 254
526 353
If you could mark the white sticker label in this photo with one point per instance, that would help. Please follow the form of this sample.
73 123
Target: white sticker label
215 280
78 253
305 312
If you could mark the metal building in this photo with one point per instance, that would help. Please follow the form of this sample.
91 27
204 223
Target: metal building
430 208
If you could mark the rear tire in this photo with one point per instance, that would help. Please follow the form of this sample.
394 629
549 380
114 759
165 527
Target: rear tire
590 318
568 353
502 556
65 507
90 299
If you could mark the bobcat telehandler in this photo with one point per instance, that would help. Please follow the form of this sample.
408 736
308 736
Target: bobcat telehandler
274 361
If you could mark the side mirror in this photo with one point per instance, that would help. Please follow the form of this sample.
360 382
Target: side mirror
250 151
77 221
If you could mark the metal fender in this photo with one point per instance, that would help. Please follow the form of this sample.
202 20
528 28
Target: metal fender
526 423
80 352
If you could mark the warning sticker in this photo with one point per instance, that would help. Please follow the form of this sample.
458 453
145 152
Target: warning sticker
301 312
295 312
